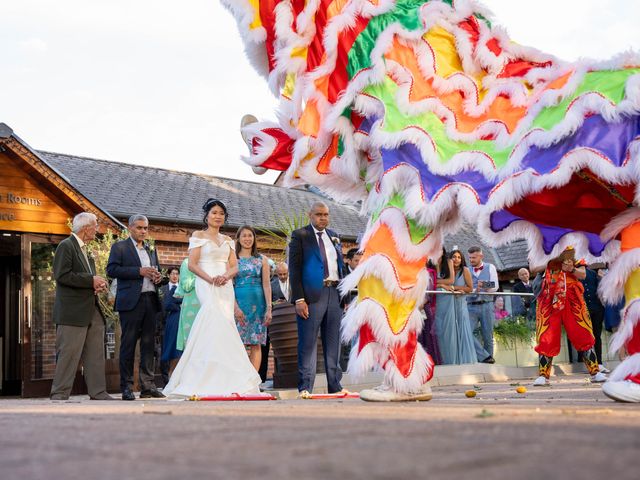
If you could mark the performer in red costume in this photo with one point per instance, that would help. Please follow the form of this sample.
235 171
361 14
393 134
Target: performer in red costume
561 302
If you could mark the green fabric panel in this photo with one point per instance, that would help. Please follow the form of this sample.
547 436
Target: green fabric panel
446 148
416 231
611 84
406 12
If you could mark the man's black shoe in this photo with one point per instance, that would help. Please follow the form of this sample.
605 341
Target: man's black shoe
153 393
489 359
128 395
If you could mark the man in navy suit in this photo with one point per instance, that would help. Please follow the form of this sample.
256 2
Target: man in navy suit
135 265
315 268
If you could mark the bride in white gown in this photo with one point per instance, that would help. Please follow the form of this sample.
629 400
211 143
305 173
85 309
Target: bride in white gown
214 361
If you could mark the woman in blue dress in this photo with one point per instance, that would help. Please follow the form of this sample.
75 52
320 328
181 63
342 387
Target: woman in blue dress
252 287
453 329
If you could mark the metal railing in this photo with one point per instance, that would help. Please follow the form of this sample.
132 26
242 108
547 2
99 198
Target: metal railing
474 294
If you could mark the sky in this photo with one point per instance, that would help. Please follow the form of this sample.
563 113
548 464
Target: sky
165 83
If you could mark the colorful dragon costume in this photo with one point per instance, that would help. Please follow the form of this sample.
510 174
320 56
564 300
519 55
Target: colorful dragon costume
431 115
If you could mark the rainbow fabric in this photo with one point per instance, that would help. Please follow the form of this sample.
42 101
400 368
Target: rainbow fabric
430 114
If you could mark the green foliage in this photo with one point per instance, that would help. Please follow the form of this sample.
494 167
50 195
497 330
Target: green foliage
285 224
510 330
99 249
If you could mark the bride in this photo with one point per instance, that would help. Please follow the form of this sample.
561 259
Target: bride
214 361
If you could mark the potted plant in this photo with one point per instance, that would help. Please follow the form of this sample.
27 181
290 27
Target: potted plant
514 335
283 331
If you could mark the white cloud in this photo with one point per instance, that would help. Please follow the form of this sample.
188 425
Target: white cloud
36 45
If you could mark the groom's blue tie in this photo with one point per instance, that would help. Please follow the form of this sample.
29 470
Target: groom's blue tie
323 254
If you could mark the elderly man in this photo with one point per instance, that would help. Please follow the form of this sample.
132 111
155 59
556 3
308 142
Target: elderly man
523 305
280 292
135 265
315 268
485 279
76 313
280 289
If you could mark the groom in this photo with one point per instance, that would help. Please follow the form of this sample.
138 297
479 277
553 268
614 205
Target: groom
315 268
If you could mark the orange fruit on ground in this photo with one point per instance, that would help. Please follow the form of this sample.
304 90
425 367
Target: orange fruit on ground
521 389
470 393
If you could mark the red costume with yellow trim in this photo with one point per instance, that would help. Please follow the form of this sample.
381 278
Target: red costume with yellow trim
561 303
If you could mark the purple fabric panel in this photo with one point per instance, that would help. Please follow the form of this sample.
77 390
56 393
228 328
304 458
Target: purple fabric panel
501 219
611 139
431 183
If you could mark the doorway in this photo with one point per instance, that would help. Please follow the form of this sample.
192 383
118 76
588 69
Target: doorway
10 325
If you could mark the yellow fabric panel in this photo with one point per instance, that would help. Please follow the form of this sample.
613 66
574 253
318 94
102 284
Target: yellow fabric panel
257 21
632 287
398 310
443 44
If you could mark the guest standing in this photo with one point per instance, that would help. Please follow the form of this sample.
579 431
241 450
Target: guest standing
190 304
500 313
428 337
315 268
280 293
524 306
135 265
280 289
171 303
455 337
485 279
352 260
596 311
76 313
252 287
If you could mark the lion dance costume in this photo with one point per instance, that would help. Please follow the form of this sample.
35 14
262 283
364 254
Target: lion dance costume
561 303
430 114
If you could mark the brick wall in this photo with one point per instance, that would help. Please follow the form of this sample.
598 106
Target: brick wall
171 254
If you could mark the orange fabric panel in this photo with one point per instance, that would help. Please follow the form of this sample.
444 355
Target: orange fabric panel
630 237
382 243
501 109
324 165
310 120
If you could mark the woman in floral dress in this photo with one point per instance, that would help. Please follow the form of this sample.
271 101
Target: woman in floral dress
253 294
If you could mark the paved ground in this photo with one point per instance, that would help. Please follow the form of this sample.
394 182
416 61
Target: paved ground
569 430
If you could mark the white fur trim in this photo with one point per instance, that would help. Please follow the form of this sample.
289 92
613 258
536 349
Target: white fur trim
373 355
611 288
620 222
381 267
369 311
629 326
629 366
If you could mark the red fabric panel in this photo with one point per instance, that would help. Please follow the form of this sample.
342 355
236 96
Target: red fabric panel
339 77
404 355
315 52
281 156
519 68
268 18
579 205
494 46
366 337
470 25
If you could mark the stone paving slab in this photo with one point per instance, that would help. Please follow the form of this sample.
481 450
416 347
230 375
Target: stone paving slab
569 429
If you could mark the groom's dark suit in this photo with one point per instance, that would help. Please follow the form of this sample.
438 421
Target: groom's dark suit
138 311
307 280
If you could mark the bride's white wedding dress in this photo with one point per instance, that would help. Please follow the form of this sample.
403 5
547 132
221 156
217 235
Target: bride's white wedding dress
214 361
